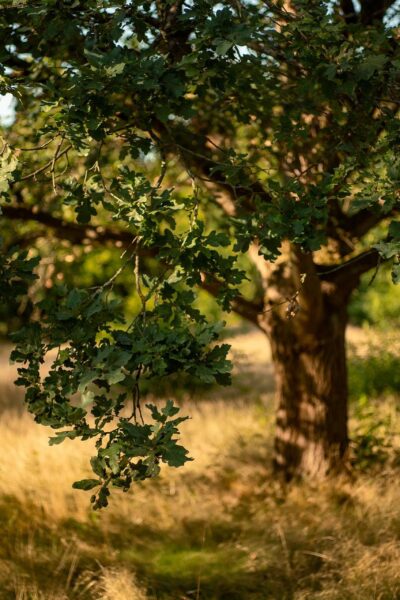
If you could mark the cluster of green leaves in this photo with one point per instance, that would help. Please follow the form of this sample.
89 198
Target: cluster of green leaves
8 164
99 364
371 443
390 249
16 273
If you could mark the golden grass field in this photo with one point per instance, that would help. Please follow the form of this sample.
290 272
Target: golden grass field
221 528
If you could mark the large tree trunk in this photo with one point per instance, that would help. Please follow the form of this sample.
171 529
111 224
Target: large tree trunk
307 336
311 428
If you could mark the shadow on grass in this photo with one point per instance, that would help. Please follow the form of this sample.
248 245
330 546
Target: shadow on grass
262 543
198 561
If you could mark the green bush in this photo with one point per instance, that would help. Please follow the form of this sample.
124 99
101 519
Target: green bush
376 303
375 374
371 442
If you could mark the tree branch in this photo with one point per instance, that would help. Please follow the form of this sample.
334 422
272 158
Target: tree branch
374 10
371 10
346 276
359 224
199 160
174 33
306 280
349 11
366 219
245 308
79 234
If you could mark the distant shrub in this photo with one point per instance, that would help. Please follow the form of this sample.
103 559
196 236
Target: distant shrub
374 374
376 303
371 442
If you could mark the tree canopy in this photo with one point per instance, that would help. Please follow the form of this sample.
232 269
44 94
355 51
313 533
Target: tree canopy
184 134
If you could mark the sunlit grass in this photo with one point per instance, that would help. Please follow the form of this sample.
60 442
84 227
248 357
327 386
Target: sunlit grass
221 528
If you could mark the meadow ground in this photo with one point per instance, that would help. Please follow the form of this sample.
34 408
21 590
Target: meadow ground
221 528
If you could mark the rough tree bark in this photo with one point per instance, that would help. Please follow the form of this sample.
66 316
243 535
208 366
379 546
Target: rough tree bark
305 320
311 378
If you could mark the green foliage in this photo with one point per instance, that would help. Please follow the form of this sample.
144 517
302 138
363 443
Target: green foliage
370 444
8 164
16 273
376 303
391 249
375 374
112 96
105 363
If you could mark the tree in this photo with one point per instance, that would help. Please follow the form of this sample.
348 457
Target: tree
206 131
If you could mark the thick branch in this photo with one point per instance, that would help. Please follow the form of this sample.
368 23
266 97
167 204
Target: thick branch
365 220
349 11
202 163
245 308
374 10
79 234
348 230
371 10
306 279
346 276
174 34
67 230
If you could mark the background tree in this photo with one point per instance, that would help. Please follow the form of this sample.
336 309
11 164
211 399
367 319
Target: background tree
205 131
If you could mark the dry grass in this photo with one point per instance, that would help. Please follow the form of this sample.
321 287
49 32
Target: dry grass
219 529
119 584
